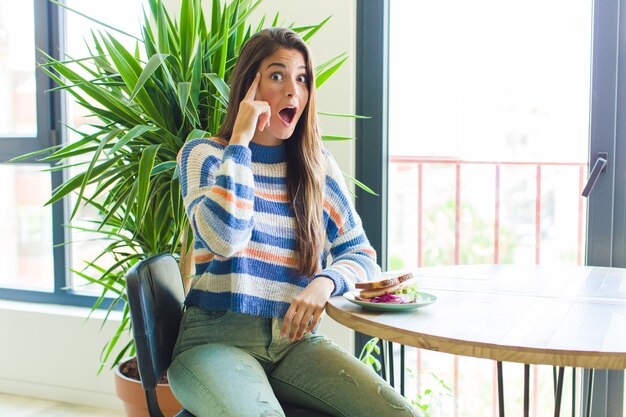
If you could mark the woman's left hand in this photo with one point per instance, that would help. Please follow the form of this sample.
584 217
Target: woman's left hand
307 307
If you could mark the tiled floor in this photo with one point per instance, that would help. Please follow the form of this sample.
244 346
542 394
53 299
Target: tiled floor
11 406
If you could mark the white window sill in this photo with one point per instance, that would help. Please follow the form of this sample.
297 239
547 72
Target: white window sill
58 310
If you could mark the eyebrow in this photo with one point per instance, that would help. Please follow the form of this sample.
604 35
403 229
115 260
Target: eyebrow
280 64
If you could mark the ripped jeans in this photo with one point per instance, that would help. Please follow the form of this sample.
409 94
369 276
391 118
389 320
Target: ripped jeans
229 364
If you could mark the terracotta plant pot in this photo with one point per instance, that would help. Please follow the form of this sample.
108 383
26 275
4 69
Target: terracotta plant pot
133 396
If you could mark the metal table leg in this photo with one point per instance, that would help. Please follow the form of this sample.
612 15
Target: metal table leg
526 390
391 367
402 370
559 392
554 381
589 392
500 389
573 392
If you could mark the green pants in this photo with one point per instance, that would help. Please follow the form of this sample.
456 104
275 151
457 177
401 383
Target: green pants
228 364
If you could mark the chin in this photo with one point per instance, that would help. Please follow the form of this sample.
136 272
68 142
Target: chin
283 134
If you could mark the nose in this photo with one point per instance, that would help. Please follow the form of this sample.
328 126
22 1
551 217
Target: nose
291 88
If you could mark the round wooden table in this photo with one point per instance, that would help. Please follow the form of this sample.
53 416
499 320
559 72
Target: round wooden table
552 315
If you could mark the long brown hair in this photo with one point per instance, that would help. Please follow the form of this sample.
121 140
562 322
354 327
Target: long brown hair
305 173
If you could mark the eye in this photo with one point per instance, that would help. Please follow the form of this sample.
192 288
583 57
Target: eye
276 76
302 79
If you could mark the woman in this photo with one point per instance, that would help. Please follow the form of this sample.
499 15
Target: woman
268 207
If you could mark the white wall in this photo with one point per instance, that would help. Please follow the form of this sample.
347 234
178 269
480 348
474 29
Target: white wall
52 352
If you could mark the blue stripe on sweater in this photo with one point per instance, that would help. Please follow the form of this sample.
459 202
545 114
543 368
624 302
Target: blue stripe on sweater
239 154
240 190
239 303
197 237
331 227
228 235
193 204
210 164
213 211
270 180
254 267
201 267
273 240
358 240
265 206
341 286
268 154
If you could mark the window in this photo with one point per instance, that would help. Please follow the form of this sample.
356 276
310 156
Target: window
26 249
27 253
481 73
35 251
17 56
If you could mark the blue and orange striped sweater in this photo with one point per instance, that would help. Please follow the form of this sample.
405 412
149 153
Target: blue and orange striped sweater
244 238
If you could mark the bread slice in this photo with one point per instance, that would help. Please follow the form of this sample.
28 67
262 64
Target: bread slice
380 291
383 283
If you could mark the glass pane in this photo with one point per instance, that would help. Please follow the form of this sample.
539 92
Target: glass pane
488 130
18 112
86 246
26 228
488 137
79 36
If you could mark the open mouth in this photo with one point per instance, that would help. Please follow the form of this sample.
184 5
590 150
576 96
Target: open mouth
287 114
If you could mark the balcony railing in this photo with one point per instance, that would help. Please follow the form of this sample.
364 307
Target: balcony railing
420 163
528 174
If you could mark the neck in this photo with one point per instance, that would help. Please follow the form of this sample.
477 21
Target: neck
266 140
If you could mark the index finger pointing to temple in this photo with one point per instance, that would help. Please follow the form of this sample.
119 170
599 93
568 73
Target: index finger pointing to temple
251 94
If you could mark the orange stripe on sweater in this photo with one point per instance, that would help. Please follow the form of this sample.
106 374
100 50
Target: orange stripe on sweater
221 141
218 140
272 197
334 215
270 257
242 204
204 258
369 251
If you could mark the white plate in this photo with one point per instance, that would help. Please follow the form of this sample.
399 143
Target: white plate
423 299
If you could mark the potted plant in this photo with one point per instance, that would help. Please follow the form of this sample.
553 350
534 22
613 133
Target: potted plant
146 104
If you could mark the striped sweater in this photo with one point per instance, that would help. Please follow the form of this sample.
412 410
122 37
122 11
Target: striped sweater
244 238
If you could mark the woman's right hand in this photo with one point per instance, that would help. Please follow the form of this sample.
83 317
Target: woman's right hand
253 114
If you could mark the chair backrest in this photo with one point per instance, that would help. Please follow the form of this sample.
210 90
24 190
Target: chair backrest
156 299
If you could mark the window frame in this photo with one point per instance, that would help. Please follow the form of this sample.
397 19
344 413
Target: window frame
371 146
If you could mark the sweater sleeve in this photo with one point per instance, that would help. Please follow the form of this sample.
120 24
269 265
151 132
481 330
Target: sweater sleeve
217 187
353 258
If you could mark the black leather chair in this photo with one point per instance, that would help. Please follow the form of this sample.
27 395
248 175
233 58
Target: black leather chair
155 296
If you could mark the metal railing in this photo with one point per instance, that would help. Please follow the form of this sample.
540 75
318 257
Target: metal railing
537 168
421 162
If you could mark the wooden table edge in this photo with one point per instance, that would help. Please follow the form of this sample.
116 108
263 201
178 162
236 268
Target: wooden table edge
503 353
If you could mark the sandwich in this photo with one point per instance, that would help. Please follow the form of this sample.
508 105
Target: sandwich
391 290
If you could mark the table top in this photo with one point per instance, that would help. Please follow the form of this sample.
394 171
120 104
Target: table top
554 315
